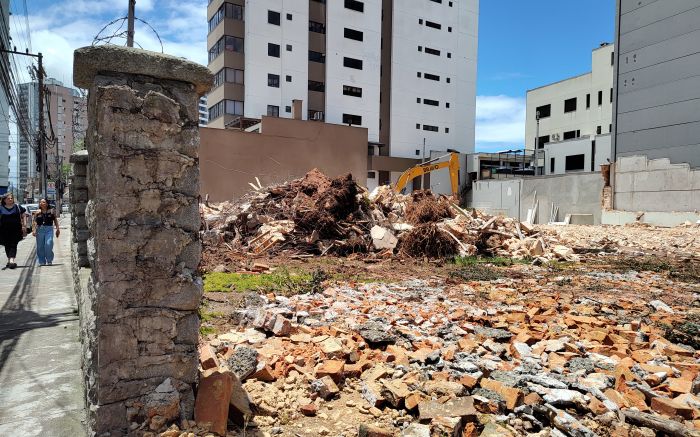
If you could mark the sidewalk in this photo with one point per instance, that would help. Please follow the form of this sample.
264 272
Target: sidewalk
41 392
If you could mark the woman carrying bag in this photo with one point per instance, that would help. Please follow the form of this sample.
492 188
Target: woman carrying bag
44 221
12 229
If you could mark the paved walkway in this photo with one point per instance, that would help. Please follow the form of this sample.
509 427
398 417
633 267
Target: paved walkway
41 390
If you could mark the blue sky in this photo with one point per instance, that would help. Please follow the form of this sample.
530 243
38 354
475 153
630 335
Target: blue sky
523 44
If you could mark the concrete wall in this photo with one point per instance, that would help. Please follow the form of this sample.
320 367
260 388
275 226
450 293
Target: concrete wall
658 87
285 149
573 194
655 185
497 197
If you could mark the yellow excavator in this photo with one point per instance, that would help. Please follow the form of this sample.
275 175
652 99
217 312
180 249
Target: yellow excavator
430 166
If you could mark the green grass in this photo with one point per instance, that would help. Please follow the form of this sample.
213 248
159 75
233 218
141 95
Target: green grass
206 330
282 281
498 261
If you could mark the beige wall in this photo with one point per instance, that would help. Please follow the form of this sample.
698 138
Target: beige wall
286 149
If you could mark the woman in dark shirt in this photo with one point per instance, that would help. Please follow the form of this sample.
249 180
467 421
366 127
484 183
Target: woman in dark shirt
12 228
44 221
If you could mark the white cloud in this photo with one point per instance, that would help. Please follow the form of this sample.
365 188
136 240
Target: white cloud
500 120
181 25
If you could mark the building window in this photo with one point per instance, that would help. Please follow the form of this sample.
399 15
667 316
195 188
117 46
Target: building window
353 34
430 51
418 100
432 76
430 128
289 17
551 165
436 1
352 91
273 111
370 175
588 101
352 63
612 58
420 48
317 86
599 130
226 43
433 24
420 21
231 107
317 27
352 119
431 102
569 135
273 17
417 125
600 98
450 4
575 162
447 130
570 105
287 109
419 75
447 79
449 55
447 105
273 80
544 111
288 78
317 57
273 50
611 95
227 10
610 128
355 5
229 75
542 141
449 28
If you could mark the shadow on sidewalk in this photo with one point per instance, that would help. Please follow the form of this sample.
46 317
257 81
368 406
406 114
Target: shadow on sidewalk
16 315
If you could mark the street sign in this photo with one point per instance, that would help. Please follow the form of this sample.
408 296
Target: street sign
50 190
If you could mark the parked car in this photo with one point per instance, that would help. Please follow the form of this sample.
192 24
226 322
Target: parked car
30 207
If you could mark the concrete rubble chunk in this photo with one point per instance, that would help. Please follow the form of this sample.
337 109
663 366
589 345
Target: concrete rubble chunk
459 407
659 305
382 238
243 362
416 430
376 334
325 387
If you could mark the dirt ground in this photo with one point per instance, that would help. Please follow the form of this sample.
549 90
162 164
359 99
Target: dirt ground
622 274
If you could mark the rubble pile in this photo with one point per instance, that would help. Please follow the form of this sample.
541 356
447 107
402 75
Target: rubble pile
424 358
316 215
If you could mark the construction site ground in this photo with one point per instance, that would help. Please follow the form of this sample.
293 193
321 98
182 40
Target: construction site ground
346 346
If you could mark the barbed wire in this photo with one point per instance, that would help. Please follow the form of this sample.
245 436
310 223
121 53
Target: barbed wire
122 34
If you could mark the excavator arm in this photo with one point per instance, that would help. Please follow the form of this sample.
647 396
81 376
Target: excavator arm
421 169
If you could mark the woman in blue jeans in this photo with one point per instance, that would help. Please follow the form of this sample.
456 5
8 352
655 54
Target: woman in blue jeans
44 221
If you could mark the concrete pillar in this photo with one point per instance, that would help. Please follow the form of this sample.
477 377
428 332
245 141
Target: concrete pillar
78 202
143 221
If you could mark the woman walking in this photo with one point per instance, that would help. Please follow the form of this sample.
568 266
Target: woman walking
12 228
44 221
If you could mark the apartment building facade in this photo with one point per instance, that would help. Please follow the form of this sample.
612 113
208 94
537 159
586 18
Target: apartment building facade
573 108
404 70
657 113
65 121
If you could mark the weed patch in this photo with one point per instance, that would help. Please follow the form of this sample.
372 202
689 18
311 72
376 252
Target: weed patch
282 281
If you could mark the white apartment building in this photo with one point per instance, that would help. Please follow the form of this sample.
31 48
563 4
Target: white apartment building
405 70
573 108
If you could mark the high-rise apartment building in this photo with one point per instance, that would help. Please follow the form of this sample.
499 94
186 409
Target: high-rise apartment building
4 102
65 122
405 70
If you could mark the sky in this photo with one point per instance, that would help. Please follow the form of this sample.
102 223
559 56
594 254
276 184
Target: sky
523 44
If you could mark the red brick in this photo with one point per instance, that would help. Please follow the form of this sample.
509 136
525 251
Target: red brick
671 408
213 398
207 357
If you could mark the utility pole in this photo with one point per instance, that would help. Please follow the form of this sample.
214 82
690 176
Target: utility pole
42 127
130 27
42 133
